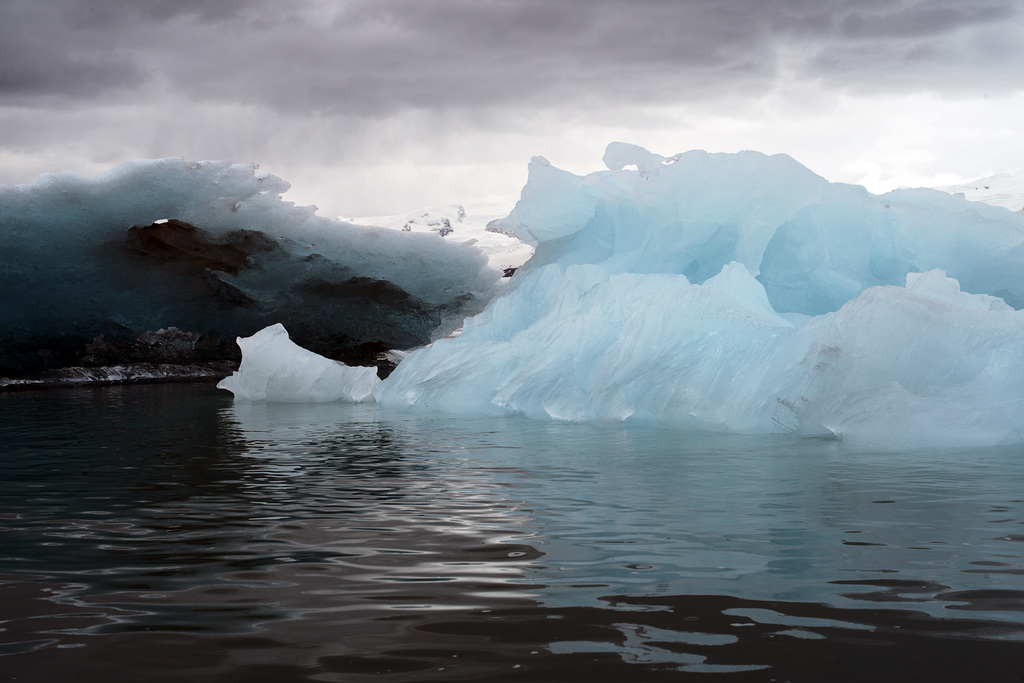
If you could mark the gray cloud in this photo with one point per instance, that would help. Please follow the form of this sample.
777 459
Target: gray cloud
375 57
112 13
26 73
430 92
919 19
39 57
66 49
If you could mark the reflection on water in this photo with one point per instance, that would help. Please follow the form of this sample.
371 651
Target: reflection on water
166 531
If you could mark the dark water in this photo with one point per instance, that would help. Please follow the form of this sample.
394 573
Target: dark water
164 533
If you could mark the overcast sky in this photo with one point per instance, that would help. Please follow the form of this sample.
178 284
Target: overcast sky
381 106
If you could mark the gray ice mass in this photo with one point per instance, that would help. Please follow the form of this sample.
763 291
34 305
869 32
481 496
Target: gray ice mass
94 268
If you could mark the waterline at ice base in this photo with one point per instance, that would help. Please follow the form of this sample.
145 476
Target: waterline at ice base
729 293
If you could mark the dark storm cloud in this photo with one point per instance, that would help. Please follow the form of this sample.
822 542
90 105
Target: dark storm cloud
96 13
373 58
74 49
38 57
918 20
26 72
939 46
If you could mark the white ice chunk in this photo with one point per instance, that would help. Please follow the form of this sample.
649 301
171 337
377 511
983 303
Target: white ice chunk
276 369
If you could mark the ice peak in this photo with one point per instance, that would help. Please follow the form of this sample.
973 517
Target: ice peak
619 155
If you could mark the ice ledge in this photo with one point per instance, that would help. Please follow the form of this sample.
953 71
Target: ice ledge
129 373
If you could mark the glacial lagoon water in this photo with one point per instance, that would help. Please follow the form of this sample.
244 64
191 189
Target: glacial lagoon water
168 533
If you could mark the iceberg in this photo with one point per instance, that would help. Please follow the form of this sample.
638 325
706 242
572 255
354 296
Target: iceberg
743 293
93 266
276 369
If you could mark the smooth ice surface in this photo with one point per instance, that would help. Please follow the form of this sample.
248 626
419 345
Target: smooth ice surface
743 293
276 369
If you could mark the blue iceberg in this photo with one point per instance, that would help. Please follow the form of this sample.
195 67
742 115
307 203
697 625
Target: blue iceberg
743 293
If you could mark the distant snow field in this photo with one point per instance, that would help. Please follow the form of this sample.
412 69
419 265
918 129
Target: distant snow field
1003 190
461 223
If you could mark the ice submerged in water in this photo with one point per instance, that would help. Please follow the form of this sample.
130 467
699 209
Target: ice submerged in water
743 293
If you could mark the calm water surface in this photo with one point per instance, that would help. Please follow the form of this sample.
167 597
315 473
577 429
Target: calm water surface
166 533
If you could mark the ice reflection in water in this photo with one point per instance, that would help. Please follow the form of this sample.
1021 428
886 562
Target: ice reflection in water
321 542
380 498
